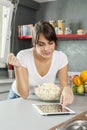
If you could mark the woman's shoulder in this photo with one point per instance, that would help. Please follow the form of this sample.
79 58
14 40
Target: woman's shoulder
59 53
25 52
60 58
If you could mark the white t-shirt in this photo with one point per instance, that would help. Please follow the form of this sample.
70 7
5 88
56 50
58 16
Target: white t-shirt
26 59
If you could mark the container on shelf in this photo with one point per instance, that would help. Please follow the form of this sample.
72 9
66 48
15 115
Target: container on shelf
68 30
56 30
81 31
61 26
25 30
60 31
53 23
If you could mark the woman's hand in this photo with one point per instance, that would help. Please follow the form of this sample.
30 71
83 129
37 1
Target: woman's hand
21 74
67 96
12 59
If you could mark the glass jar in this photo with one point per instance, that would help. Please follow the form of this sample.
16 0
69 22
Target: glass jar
61 26
53 23
68 30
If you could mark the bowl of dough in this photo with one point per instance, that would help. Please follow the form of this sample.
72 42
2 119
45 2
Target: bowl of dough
47 92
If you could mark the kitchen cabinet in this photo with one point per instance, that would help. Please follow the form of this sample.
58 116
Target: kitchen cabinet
4 89
5 85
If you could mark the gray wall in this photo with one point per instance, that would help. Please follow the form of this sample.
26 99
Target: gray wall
74 12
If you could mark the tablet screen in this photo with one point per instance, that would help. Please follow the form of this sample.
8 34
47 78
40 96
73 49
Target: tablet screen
52 108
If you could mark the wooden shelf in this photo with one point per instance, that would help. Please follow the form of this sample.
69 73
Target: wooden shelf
24 37
72 36
62 37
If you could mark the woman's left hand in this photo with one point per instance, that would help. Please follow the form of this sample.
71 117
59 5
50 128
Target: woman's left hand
67 96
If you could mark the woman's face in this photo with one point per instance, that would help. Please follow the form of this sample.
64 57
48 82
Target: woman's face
44 47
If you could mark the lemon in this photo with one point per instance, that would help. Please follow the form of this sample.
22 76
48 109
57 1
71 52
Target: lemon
80 89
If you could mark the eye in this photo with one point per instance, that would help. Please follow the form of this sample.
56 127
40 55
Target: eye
51 43
40 43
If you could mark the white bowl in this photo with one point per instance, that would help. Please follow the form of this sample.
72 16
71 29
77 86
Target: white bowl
47 92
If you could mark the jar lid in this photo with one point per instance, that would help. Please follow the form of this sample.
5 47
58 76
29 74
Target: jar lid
61 20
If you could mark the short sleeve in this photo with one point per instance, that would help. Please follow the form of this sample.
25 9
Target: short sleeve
63 60
21 57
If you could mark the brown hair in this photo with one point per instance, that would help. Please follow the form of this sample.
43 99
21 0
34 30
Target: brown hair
47 29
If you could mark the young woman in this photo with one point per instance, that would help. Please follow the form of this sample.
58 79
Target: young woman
40 64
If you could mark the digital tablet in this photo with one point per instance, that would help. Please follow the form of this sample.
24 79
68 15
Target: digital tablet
52 109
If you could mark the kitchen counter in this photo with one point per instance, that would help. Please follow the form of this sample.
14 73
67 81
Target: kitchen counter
19 114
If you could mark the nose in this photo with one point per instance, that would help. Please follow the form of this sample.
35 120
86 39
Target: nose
46 47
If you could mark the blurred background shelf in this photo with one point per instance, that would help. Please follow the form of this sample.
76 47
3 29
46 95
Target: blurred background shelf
62 37
24 37
72 36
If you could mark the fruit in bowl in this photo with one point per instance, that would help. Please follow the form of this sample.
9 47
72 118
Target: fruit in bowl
83 76
48 92
76 80
80 89
79 83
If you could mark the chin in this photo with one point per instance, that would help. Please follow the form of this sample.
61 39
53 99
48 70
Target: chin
46 56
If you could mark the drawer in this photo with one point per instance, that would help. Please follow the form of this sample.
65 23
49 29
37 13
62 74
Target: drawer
3 96
4 87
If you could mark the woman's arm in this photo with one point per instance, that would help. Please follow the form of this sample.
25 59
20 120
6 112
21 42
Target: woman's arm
22 83
21 75
67 93
63 77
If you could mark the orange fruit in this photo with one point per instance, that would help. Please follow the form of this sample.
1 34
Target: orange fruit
83 76
76 80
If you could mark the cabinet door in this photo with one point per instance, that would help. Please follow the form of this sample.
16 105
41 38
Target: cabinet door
4 89
3 96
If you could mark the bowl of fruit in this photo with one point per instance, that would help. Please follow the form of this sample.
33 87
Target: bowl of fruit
79 83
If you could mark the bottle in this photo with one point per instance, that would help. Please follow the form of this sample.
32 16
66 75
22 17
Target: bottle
11 71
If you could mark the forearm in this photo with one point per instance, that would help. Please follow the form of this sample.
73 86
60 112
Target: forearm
66 92
63 77
63 82
22 83
21 75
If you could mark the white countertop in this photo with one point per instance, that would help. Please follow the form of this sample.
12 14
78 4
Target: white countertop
19 114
